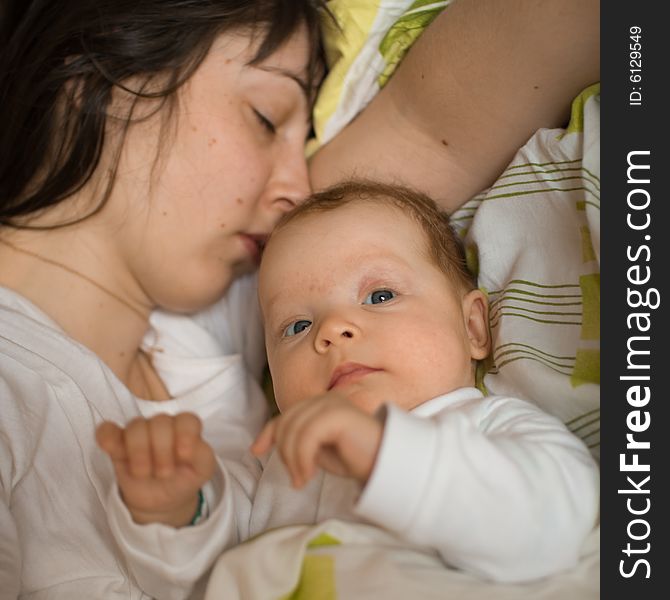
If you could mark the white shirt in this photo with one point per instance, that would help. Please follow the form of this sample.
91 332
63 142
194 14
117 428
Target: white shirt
492 484
54 538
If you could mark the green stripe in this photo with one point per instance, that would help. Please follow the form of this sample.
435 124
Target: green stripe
539 355
577 170
588 434
542 285
585 436
467 213
534 348
551 180
496 371
542 312
548 322
535 312
551 162
543 190
583 416
596 420
506 297
531 181
533 294
590 203
459 219
527 354
592 175
580 174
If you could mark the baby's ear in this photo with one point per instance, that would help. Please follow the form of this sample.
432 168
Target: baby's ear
476 316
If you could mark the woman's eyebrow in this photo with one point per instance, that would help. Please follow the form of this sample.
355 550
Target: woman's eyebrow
287 73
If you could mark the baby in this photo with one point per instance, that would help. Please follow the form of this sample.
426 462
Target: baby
373 329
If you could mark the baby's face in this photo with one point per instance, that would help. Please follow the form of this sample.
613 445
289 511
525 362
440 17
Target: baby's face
351 302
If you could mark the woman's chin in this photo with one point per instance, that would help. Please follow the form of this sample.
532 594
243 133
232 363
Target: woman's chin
191 295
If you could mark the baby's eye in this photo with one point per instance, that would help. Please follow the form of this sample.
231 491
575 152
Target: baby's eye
296 327
379 296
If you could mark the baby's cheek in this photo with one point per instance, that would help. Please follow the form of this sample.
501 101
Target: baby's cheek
290 388
282 396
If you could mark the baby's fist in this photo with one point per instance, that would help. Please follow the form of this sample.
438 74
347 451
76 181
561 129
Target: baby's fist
160 465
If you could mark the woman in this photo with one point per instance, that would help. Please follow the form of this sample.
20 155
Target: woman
147 150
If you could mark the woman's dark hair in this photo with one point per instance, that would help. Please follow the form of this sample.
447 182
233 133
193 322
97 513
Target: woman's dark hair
61 59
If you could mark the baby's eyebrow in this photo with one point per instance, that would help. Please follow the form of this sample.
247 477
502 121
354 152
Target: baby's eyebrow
270 303
272 318
383 267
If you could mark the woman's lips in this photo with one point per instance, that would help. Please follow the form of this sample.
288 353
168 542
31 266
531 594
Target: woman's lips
254 245
348 373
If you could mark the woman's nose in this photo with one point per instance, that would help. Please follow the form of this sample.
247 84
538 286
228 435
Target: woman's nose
291 180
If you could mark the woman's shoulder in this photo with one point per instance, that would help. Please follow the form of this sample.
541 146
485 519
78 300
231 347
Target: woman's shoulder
53 391
41 367
30 339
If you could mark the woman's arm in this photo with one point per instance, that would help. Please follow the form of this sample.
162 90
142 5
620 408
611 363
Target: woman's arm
475 86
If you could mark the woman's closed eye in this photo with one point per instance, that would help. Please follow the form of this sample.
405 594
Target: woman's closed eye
296 327
265 122
379 297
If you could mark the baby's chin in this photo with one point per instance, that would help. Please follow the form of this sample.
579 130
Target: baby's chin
369 400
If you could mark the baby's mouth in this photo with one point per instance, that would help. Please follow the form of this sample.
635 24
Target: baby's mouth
348 373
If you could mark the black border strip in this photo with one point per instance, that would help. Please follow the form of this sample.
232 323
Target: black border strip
628 127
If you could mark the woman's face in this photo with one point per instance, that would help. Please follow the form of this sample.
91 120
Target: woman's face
231 163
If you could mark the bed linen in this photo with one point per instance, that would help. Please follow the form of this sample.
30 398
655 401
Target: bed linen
337 559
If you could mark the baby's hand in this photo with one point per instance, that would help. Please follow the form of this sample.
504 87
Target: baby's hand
160 463
328 432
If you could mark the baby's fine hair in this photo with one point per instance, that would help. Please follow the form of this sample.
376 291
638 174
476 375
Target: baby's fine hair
443 245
